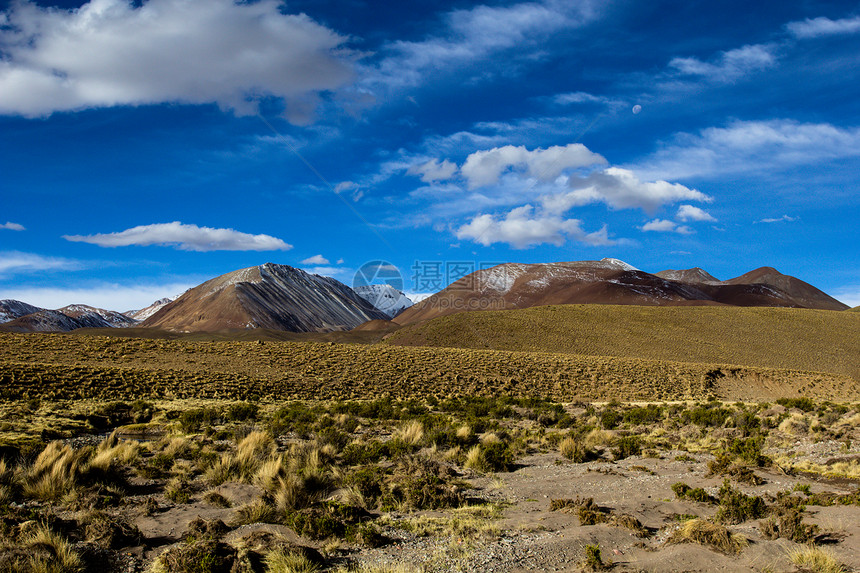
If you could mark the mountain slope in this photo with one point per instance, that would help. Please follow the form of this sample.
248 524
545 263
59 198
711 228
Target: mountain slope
610 281
11 309
111 317
66 319
144 313
271 296
695 275
794 338
55 321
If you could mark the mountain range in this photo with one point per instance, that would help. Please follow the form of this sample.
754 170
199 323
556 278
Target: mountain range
610 281
280 297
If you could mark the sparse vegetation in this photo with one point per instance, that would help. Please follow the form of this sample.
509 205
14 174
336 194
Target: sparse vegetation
352 474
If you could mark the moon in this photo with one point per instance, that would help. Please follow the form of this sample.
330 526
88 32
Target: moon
637 108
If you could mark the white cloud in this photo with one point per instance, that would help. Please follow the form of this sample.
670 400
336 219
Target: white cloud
316 260
184 237
434 170
815 27
111 52
345 186
622 189
729 65
473 35
783 219
117 297
328 271
484 168
584 97
665 226
12 226
749 146
691 213
522 228
13 262
849 295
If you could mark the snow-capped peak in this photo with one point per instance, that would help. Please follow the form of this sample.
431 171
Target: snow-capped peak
619 264
384 297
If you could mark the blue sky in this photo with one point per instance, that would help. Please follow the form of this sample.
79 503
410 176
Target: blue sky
149 146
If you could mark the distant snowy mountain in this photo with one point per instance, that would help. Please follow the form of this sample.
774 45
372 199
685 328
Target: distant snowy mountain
11 309
384 297
278 297
17 316
145 313
110 317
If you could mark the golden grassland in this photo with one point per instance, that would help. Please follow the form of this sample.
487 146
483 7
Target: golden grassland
338 478
797 339
63 367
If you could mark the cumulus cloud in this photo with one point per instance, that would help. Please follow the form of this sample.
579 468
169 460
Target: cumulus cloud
316 260
434 170
622 189
484 168
14 262
328 271
12 226
522 228
815 27
666 226
729 65
114 52
541 185
783 219
473 35
113 296
691 213
745 146
185 238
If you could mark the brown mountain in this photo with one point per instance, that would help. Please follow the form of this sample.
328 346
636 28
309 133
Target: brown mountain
693 276
610 281
271 296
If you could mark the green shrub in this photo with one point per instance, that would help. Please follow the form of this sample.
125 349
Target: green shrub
737 507
709 416
627 446
803 403
194 419
242 412
643 415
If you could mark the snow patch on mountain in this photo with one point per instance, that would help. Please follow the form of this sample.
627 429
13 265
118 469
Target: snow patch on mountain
144 313
384 297
11 309
111 318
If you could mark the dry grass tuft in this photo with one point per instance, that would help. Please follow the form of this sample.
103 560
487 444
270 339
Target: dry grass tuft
815 560
279 561
51 553
795 425
112 450
411 433
711 534
574 450
54 473
255 512
599 438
